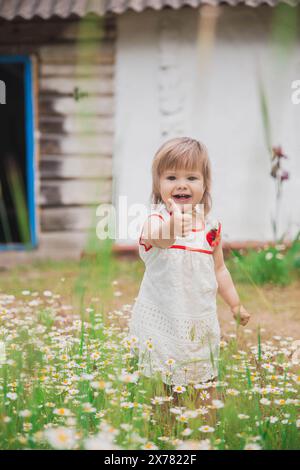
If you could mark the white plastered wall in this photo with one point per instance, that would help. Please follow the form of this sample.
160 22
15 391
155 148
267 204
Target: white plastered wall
167 86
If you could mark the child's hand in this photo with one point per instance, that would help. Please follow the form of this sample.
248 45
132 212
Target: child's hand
181 222
241 315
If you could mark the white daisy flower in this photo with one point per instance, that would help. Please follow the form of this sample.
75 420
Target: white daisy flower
61 437
265 401
179 389
206 428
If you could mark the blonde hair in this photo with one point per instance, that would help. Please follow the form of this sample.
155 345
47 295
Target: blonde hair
182 153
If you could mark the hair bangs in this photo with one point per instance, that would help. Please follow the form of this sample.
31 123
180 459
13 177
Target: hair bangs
189 159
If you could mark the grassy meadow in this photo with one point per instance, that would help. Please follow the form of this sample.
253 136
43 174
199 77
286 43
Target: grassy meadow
69 379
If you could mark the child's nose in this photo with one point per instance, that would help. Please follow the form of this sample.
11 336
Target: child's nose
181 184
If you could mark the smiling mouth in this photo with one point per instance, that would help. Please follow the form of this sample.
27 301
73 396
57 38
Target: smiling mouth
182 197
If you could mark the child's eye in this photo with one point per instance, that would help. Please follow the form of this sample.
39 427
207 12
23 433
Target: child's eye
190 178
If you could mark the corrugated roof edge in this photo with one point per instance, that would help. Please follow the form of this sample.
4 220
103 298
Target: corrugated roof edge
44 9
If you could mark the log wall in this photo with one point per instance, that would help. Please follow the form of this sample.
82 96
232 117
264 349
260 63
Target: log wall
74 88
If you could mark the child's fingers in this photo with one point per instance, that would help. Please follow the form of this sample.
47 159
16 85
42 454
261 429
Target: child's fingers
245 319
242 318
173 206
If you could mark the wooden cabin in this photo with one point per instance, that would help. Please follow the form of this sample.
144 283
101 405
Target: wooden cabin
57 60
89 90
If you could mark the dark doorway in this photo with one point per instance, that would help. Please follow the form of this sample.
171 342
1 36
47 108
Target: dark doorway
15 223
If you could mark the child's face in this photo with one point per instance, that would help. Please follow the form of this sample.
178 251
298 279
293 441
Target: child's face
185 187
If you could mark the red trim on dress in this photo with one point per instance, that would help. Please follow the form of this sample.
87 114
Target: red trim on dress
188 248
143 244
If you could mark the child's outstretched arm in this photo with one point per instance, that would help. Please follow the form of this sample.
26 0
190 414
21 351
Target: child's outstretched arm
226 287
162 234
155 233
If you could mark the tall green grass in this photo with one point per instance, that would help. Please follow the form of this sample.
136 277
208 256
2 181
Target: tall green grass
71 380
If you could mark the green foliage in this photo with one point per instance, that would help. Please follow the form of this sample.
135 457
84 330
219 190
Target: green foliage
260 267
284 32
274 264
293 255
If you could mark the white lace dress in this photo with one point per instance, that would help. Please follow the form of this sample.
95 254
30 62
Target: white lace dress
175 316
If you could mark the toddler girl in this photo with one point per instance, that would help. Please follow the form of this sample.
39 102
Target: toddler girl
174 317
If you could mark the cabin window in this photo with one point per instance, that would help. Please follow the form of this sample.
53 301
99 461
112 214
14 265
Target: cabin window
17 204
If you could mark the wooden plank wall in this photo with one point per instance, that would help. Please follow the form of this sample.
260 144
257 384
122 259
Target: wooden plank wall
75 59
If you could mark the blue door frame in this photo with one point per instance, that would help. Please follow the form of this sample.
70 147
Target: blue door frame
30 153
